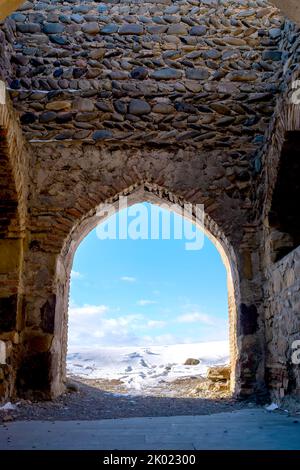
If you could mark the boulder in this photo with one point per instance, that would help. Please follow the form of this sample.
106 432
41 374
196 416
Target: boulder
191 362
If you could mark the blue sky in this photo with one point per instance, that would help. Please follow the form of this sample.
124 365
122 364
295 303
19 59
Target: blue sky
146 292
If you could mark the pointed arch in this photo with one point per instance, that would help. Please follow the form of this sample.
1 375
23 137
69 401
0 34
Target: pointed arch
155 194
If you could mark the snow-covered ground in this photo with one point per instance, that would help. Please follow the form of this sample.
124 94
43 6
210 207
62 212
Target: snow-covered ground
140 367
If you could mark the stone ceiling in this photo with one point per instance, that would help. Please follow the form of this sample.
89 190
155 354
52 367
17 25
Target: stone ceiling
205 73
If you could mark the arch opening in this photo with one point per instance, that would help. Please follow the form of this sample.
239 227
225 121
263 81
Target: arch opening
148 310
160 197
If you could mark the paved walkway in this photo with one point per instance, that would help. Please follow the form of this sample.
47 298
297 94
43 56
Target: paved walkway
244 429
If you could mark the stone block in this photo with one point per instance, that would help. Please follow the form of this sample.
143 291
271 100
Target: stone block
34 374
9 255
39 344
219 373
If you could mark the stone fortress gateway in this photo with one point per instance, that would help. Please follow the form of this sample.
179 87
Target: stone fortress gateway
163 101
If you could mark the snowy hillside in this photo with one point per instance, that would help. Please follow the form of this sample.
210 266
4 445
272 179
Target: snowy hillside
140 367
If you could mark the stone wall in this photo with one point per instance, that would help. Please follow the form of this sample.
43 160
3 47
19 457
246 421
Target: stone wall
13 218
7 38
282 297
288 7
281 287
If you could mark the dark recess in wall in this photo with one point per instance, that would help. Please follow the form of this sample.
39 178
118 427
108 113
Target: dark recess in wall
285 210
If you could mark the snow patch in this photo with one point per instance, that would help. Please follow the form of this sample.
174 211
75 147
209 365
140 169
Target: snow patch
272 407
8 407
139 368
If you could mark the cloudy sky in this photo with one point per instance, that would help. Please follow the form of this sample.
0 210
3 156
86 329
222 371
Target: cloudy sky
146 292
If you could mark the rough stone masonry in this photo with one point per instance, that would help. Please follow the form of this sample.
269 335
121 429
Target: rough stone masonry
163 101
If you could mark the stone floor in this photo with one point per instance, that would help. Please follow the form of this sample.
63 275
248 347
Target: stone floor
243 429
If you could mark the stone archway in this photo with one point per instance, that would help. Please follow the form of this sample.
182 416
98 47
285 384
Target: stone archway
63 210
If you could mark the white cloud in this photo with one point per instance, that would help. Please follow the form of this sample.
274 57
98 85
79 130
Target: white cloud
144 302
197 317
76 275
156 324
91 326
128 279
120 322
88 310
